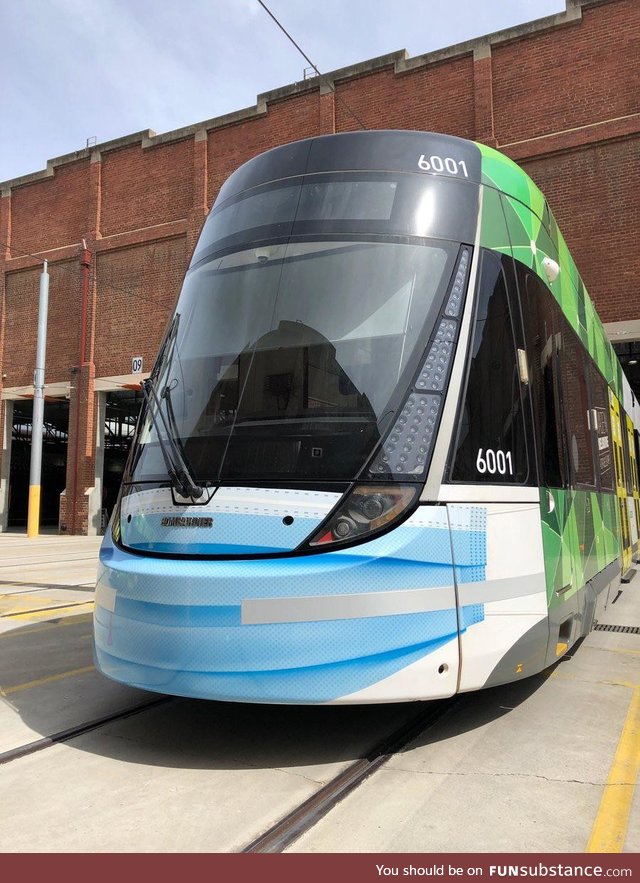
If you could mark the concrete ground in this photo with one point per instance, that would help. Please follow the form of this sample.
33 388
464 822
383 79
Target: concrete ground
513 769
546 765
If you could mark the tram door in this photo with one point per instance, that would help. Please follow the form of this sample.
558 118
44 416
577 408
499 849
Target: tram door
621 484
633 498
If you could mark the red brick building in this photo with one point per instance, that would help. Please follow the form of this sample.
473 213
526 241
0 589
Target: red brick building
560 95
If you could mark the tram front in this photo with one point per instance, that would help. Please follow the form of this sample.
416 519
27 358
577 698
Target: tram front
270 543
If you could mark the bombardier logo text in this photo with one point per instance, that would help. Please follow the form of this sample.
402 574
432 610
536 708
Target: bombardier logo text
186 521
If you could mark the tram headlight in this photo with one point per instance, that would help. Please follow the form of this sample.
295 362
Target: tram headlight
365 512
344 527
374 505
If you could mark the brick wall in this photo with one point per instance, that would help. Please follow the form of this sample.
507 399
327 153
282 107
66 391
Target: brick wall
142 188
21 324
137 289
594 193
569 76
435 98
561 96
47 214
286 120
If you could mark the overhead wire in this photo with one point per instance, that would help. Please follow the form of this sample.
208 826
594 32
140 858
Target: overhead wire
322 78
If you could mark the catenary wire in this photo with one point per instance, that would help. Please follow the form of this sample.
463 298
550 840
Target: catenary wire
322 78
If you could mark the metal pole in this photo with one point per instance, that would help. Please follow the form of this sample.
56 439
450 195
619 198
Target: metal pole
33 518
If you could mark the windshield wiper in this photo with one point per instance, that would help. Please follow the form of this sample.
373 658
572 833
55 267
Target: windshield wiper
175 459
167 348
177 468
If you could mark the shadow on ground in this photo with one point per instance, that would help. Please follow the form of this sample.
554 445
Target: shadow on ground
199 734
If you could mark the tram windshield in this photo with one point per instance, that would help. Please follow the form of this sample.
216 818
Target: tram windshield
292 355
287 358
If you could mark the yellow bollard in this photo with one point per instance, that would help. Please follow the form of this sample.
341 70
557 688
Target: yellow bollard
33 517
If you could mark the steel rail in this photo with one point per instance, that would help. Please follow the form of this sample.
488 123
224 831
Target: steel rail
283 833
44 609
72 732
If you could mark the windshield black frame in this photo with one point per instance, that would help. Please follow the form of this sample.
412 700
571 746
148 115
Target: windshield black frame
425 207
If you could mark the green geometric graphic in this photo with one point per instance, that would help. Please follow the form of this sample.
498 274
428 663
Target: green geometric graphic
580 537
531 235
580 529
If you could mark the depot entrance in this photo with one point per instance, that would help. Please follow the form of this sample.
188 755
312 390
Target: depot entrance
121 415
54 461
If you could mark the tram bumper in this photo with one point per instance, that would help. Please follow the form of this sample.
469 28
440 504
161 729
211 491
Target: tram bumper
378 622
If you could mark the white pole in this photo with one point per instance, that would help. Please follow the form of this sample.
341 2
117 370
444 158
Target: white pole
35 472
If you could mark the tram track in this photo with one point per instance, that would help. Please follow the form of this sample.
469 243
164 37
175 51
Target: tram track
31 611
305 816
79 730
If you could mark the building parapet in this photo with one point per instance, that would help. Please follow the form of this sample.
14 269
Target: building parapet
401 61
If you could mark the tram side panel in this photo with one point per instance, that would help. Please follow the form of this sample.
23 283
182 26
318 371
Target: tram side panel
617 423
632 481
636 477
570 554
580 519
492 447
509 641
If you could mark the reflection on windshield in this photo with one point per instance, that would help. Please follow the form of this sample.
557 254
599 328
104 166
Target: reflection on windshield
285 374
289 355
285 401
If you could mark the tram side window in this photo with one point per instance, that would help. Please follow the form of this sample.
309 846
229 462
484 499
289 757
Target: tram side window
601 417
541 317
575 407
491 445
568 395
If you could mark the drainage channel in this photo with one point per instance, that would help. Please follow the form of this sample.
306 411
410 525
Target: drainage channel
620 629
281 835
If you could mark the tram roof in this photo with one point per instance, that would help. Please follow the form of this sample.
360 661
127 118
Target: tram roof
533 231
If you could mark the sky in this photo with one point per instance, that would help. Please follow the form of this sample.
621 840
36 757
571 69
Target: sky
74 70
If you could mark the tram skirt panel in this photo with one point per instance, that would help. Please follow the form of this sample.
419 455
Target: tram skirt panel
374 623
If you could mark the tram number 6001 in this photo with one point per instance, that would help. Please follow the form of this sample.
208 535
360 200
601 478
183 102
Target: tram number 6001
494 462
442 164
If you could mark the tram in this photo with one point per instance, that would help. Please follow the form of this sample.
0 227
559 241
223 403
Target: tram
386 453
